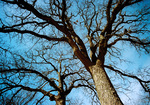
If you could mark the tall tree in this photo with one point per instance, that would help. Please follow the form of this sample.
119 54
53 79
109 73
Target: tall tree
92 28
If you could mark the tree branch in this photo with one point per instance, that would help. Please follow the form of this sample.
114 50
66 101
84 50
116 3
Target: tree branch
30 89
24 5
8 30
52 83
133 40
131 76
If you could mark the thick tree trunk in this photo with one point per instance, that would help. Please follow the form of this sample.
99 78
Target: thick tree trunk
106 92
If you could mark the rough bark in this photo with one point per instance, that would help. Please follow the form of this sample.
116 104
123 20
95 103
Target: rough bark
105 90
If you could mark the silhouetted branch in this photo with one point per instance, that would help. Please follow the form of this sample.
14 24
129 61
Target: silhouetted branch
131 76
52 83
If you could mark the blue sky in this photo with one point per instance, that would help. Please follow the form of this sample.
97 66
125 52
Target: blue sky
137 61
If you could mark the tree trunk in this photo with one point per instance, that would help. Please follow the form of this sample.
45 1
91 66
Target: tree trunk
105 90
60 100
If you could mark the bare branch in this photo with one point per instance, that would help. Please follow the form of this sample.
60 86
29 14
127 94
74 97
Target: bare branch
30 89
131 76
133 40
52 83
32 33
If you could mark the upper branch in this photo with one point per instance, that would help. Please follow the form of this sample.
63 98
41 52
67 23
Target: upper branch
63 10
8 30
110 19
134 40
108 10
65 27
108 15
131 76
24 5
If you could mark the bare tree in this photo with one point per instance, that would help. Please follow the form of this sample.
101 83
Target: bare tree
92 28
24 81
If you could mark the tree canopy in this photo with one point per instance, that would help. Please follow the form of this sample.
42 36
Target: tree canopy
98 34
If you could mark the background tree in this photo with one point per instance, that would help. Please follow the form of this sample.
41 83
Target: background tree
34 80
93 29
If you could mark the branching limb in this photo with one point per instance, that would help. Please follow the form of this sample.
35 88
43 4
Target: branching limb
25 5
74 40
50 64
131 76
52 83
29 89
135 41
